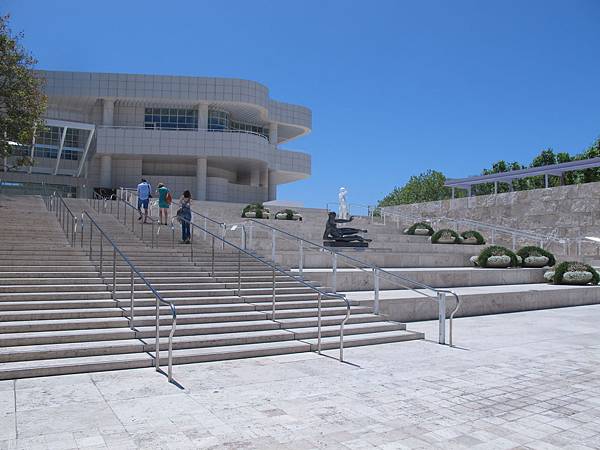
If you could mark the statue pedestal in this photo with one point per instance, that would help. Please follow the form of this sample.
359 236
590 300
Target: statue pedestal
345 244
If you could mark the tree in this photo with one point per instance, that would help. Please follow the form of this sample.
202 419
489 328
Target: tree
426 187
22 101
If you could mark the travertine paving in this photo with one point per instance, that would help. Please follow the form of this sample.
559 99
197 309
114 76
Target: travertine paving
523 380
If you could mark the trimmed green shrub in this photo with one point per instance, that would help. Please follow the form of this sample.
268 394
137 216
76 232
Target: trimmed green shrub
257 208
289 214
496 250
424 225
444 235
532 250
473 234
574 266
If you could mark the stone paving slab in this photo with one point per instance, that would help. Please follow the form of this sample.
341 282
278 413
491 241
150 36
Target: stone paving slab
522 380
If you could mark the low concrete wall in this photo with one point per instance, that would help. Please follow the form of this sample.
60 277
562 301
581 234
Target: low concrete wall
416 309
565 211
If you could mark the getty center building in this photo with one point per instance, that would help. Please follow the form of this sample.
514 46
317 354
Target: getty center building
218 137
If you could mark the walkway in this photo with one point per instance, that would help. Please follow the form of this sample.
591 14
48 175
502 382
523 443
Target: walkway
525 379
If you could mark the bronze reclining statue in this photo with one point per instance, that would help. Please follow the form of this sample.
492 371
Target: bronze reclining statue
342 237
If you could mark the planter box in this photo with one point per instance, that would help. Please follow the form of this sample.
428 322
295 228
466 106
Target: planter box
536 261
578 277
498 261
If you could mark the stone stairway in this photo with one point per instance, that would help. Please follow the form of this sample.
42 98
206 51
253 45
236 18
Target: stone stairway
59 315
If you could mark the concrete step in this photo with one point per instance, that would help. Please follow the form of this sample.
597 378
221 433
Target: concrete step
356 340
349 328
26 369
62 324
145 332
65 336
56 304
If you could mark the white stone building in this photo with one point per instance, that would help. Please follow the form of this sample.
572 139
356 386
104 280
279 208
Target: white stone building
217 137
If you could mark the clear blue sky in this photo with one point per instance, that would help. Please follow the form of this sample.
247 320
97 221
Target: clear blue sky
396 87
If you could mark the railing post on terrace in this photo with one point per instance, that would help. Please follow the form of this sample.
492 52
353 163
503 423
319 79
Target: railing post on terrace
514 241
81 231
319 323
243 236
334 274
205 225
541 243
376 291
172 235
579 248
442 316
114 280
301 260
223 231
132 301
91 230
493 236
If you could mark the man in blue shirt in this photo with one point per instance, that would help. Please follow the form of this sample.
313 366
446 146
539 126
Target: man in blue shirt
143 192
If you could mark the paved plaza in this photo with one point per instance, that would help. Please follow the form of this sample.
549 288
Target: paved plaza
523 380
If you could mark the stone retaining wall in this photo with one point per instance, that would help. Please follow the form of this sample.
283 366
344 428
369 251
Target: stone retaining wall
564 211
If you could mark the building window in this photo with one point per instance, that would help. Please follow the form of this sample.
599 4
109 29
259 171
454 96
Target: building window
171 119
218 120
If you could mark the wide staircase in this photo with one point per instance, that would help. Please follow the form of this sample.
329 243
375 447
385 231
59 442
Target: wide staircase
61 313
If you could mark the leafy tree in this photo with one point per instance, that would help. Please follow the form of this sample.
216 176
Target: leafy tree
22 101
426 187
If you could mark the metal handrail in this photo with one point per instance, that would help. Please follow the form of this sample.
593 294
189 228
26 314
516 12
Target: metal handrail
133 270
68 221
394 278
274 268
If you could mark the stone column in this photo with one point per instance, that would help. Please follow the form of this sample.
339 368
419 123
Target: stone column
272 188
273 133
202 116
108 110
201 179
105 171
255 177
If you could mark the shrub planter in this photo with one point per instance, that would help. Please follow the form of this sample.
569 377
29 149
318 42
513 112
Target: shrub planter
497 256
472 237
536 257
573 272
288 214
255 211
549 276
420 229
445 236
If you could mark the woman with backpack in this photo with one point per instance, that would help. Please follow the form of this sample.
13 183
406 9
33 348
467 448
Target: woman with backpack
185 216
164 202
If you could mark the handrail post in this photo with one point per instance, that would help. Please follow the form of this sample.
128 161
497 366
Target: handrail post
142 231
243 236
493 236
172 235
442 316
81 231
319 323
273 297
239 273
157 343
273 245
514 241
376 291
133 220
212 259
114 283
223 231
334 274
301 260
91 230
205 225
132 302
101 254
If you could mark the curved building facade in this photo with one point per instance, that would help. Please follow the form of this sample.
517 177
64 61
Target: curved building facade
217 137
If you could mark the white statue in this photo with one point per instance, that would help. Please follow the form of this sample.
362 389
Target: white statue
343 211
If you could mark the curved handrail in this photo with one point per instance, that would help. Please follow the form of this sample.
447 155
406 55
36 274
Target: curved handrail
193 130
358 264
276 268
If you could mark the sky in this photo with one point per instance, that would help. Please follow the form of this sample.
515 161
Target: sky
395 87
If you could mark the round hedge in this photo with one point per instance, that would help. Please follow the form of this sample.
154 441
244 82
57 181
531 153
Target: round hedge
532 250
257 208
412 228
496 250
473 234
574 266
445 233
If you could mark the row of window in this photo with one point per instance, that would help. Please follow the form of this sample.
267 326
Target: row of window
53 135
52 152
170 118
187 119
